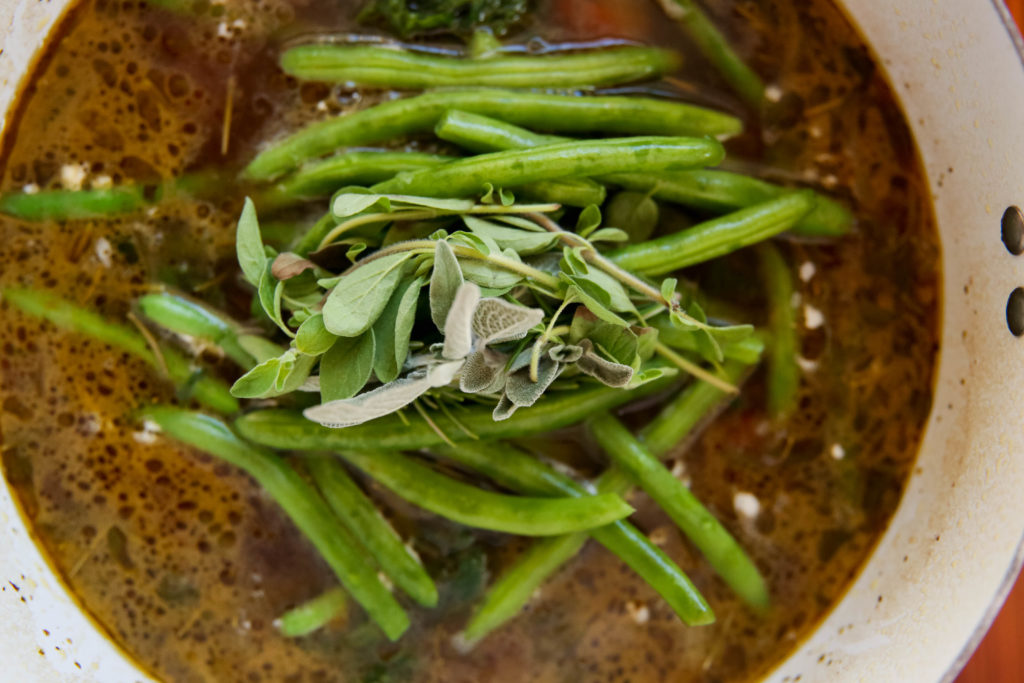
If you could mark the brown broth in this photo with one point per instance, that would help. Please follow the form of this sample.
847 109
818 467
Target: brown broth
187 563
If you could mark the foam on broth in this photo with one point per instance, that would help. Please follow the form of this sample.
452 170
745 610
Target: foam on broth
183 559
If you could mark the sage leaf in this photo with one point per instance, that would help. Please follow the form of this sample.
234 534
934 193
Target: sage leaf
357 300
384 399
458 326
445 280
312 337
565 353
288 265
523 242
488 275
483 372
393 329
345 368
607 372
496 320
249 245
504 409
523 391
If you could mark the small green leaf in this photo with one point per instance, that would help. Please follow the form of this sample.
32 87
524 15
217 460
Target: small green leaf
473 241
346 367
634 212
393 328
572 262
647 341
488 275
668 288
618 298
355 250
312 337
518 222
445 280
589 220
269 294
609 235
649 375
348 204
252 257
357 300
447 205
594 305
274 377
521 241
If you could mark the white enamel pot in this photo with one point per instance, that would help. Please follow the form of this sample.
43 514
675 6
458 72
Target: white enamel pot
943 568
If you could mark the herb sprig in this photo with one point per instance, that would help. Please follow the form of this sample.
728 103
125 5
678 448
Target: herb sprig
516 302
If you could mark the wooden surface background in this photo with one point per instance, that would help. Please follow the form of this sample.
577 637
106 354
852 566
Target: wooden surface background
1000 657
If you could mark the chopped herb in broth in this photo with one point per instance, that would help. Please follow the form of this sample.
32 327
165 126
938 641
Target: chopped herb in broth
157 110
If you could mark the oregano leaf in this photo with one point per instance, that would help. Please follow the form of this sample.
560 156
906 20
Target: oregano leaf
357 300
393 328
312 337
249 245
588 221
346 367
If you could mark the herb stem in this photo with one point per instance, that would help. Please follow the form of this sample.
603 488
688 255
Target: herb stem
694 369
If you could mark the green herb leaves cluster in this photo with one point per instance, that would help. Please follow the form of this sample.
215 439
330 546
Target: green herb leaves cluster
456 299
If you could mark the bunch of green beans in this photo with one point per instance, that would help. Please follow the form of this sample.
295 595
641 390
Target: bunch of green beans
519 581
562 113
300 501
705 189
390 67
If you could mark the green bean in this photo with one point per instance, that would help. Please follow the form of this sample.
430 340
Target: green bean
682 415
182 315
207 390
313 614
568 191
386 67
480 134
579 192
526 474
713 45
714 238
300 502
721 191
320 179
720 549
783 371
518 582
580 158
287 429
482 509
365 522
707 189
63 205
563 113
